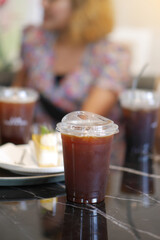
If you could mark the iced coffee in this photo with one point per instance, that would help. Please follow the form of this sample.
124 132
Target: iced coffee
140 109
16 110
87 140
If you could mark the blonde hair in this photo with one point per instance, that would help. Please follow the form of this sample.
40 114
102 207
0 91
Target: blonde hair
91 20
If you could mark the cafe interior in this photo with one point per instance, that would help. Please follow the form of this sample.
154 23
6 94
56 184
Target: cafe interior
79 119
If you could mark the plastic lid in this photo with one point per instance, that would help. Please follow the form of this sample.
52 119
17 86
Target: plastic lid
140 99
18 95
81 123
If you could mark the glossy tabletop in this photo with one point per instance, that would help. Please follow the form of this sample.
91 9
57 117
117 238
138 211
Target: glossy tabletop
131 209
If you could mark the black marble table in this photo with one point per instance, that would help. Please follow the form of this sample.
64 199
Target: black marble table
131 209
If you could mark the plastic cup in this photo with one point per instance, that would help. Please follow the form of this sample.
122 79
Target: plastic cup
86 140
140 111
16 111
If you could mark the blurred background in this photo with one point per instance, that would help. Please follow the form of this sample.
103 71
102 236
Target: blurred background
137 25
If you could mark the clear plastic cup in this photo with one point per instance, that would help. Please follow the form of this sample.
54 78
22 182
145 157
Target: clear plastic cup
16 111
140 111
86 140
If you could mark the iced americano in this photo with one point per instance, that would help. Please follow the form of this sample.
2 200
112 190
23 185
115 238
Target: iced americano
87 140
16 110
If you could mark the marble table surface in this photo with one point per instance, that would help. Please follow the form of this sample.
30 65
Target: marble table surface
131 209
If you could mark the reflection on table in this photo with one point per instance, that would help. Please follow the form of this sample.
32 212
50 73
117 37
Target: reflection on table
67 221
140 183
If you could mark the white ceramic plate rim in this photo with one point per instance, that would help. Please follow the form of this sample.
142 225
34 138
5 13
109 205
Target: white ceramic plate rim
31 169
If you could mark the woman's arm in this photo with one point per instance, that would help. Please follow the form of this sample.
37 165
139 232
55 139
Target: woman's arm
113 75
100 101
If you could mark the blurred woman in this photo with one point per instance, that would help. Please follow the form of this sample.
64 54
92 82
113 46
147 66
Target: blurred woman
70 60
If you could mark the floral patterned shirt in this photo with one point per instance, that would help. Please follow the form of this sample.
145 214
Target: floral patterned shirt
104 64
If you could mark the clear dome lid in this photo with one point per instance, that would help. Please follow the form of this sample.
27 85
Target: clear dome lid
81 123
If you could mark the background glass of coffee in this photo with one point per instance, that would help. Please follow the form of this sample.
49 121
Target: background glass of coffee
140 111
16 114
87 140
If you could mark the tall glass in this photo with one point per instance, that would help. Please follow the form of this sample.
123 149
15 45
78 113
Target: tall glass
87 140
16 111
140 111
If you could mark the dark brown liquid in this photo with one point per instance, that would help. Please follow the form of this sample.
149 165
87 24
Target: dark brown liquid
16 119
86 162
140 129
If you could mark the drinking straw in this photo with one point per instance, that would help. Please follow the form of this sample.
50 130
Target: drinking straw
136 80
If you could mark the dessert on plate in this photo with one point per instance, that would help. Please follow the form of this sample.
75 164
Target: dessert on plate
46 147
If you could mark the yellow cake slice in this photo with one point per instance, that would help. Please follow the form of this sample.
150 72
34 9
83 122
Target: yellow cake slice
46 149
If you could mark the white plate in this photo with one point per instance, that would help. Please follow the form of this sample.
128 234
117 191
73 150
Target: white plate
10 159
24 170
